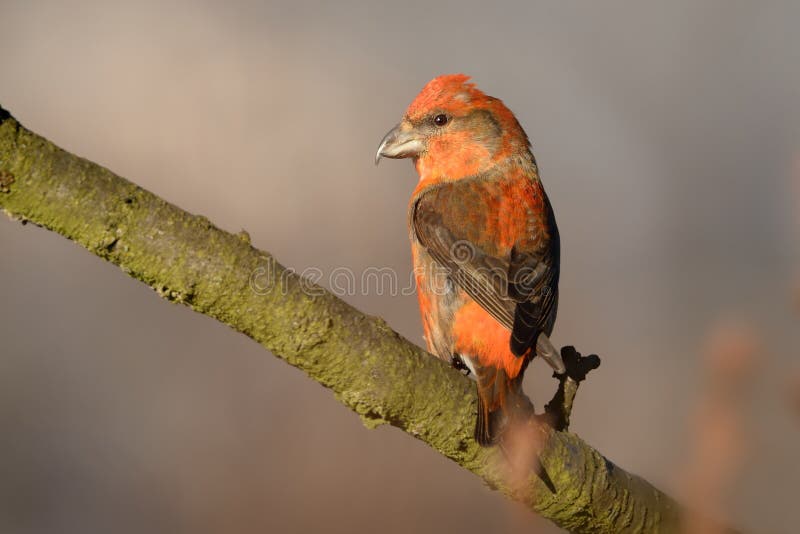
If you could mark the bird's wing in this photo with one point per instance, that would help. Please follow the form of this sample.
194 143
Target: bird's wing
497 239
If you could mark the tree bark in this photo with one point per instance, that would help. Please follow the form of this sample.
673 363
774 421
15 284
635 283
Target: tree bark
371 369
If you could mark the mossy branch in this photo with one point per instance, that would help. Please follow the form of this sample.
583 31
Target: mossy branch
370 368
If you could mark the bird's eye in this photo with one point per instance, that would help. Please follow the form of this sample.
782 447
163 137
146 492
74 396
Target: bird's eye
440 120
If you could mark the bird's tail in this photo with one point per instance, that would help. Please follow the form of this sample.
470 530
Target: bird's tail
500 398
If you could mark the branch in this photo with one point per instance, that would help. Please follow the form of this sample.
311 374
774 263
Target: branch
559 409
370 368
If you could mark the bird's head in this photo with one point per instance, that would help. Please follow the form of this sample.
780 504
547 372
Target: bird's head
453 130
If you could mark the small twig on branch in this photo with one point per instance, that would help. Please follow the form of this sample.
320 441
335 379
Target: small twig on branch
559 408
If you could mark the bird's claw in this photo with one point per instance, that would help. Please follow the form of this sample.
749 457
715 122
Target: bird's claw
458 363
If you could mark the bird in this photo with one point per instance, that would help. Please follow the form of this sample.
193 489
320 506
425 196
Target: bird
484 243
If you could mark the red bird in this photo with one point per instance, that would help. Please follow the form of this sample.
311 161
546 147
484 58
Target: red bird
483 239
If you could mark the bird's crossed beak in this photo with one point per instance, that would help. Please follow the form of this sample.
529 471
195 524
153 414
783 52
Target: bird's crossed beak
401 142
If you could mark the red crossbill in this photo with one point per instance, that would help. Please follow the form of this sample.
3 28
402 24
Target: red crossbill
484 242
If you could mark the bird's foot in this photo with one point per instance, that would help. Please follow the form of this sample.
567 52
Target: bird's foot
458 363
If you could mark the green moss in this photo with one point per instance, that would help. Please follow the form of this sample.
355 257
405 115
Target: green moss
384 378
6 179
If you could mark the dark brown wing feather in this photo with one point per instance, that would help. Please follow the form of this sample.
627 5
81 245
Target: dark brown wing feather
518 286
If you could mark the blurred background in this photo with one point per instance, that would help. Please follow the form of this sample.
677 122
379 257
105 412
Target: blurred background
668 138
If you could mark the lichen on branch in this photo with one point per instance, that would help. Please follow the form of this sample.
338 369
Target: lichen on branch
370 368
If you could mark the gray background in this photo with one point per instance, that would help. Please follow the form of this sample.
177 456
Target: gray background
666 135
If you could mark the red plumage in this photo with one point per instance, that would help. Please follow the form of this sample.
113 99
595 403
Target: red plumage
484 241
